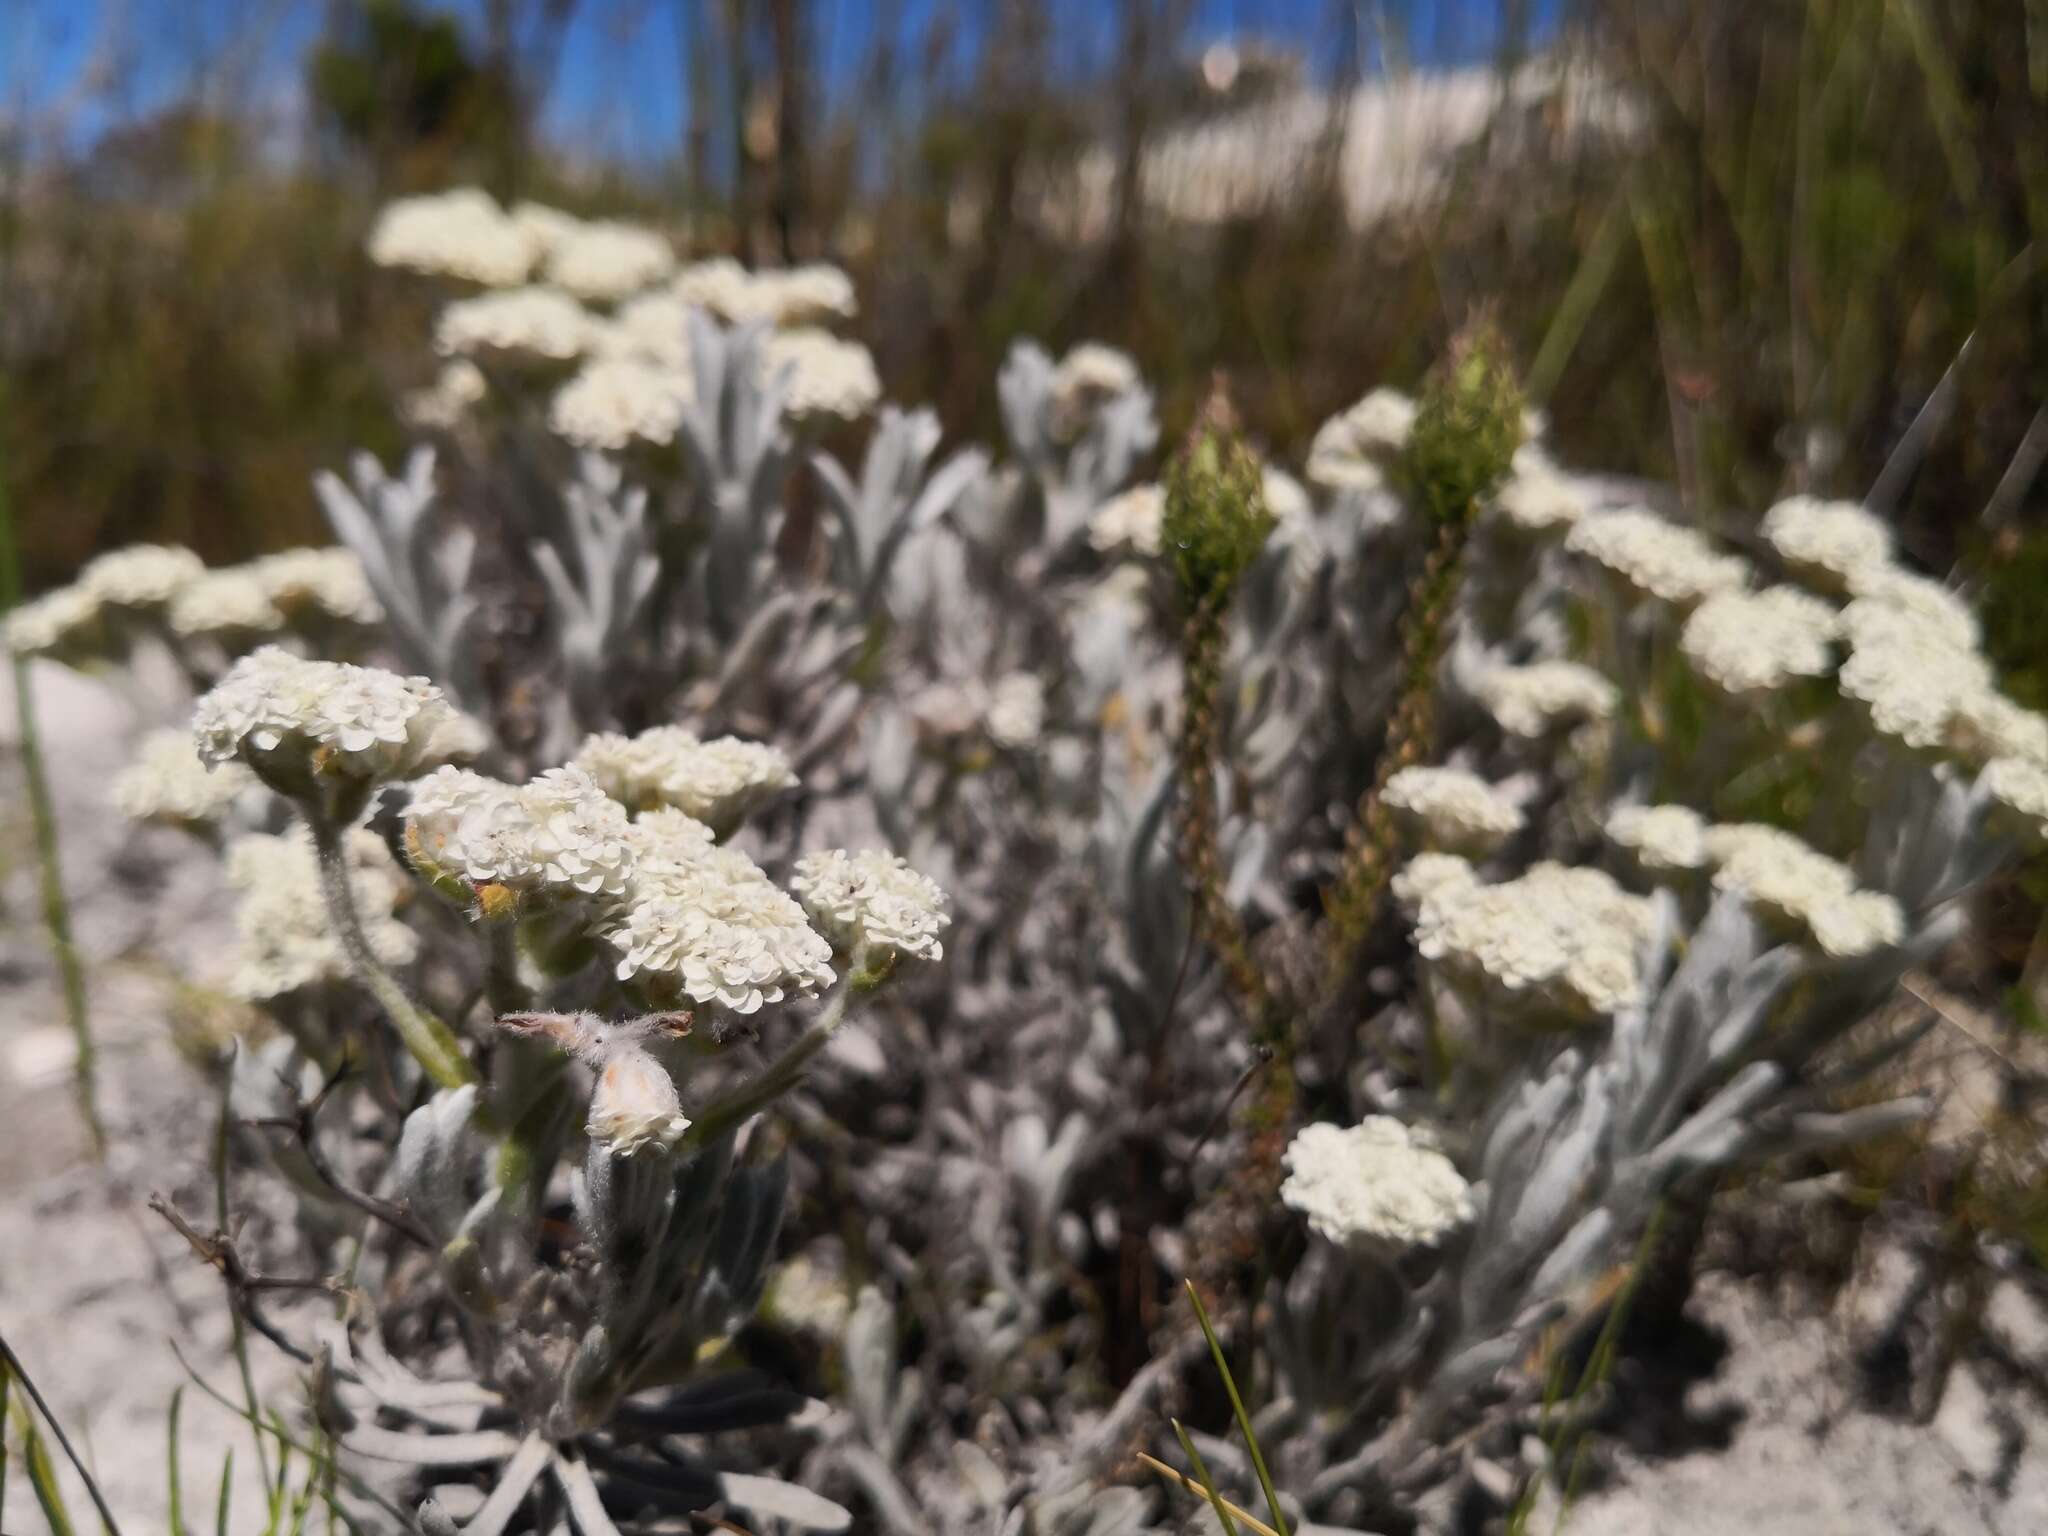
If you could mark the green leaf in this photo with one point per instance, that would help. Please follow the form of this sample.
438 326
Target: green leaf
1244 1420
227 1494
42 1477
1202 1476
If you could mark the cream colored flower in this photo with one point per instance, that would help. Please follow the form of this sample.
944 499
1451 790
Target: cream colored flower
68 621
1827 542
1655 557
1431 874
534 322
1087 378
2019 788
719 782
231 604
1537 498
607 260
614 402
1927 601
1908 675
651 328
141 576
1013 713
461 233
1794 885
872 901
286 938
1379 1181
823 375
1534 700
1132 519
1986 724
167 782
558 835
1566 938
1754 642
1458 812
1353 449
328 580
1662 837
457 389
634 1107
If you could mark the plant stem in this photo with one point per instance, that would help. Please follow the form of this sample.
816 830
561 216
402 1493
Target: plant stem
781 1075
431 1042
56 909
10 1364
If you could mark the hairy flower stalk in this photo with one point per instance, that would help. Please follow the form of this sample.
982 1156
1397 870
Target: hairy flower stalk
1467 428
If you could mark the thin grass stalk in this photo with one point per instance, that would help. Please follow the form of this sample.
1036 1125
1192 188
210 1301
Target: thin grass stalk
1244 1419
11 1362
56 908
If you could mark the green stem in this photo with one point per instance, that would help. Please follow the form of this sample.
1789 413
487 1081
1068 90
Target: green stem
56 909
781 1075
431 1042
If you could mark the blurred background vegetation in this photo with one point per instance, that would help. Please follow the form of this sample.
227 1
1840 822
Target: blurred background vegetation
1745 248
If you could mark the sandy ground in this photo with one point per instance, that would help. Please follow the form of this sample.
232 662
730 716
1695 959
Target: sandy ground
94 1288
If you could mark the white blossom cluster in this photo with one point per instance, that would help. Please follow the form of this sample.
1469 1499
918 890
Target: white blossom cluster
872 901
1909 675
440 406
1134 519
2018 788
1353 449
1537 497
559 835
797 296
1532 701
167 782
66 621
1827 542
823 375
1567 938
1457 811
285 937
538 322
706 921
276 711
1088 377
230 604
140 576
651 328
1378 1181
1797 886
1918 597
719 782
1663 838
1010 712
1755 642
461 233
327 580
1427 875
605 260
613 402
1655 557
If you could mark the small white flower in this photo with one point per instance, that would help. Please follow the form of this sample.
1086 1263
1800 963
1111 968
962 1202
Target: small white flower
823 375
1352 450
440 406
1795 885
1566 938
1662 837
537 322
558 835
2020 788
1926 600
1534 700
1537 498
872 900
1378 1181
545 227
461 233
229 604
168 783
1088 377
635 1106
327 580
799 296
1986 724
614 401
1827 542
1457 811
1431 874
285 935
651 328
606 260
1753 642
141 576
1908 675
1014 711
1659 558
1132 519
67 621
719 782
325 719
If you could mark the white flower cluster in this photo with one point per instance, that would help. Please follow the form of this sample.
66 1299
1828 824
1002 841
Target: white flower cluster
461 233
652 328
1795 885
1379 1181
2019 789
1655 557
1561 937
141 576
285 935
67 621
872 901
1134 519
1754 642
708 922
635 1107
1534 700
167 782
328 580
457 389
535 322
1663 838
1430 874
605 260
797 296
559 835
1457 812
1086 379
278 712
719 782
1909 675
1013 710
1353 449
614 401
229 604
823 375
1537 497
1920 598
1827 542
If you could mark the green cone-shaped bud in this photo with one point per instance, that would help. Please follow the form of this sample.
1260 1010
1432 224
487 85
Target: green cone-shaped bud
1468 424
1216 518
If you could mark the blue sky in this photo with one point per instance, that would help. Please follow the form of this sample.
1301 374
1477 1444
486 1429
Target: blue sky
618 90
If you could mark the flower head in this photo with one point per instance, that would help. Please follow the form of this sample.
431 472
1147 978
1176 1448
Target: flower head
1431 874
614 401
1797 886
1458 812
1131 520
167 782
1567 938
1827 542
285 935
1919 597
2019 790
1536 498
1908 675
1088 377
140 576
1013 710
558 835
64 622
535 322
230 604
441 405
1752 642
634 1106
1378 1181
719 782
1663 838
823 375
872 901
1353 449
1655 557
461 233
328 580
1534 700
606 260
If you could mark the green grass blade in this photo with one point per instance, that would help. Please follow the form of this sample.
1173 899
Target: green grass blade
227 1494
5 1387
1202 1476
177 1516
42 1477
1244 1420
